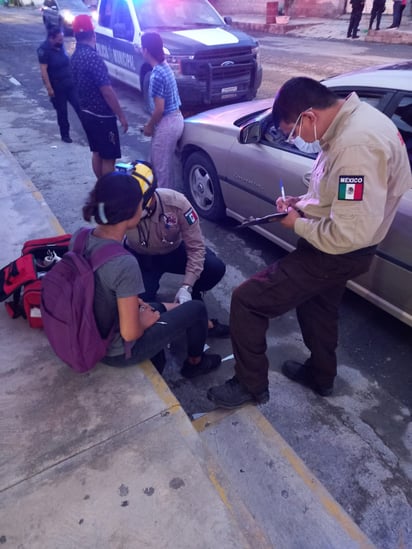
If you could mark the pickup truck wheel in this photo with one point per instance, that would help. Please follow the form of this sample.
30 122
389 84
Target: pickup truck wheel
202 186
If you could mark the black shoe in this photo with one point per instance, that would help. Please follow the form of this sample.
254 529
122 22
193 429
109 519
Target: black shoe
355 36
378 28
207 364
67 139
392 27
218 330
300 373
233 394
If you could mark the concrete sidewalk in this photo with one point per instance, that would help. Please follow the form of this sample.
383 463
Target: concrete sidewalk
109 459
331 29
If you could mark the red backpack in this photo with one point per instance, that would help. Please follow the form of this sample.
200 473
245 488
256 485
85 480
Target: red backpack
26 273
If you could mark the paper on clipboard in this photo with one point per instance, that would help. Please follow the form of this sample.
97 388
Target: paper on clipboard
261 220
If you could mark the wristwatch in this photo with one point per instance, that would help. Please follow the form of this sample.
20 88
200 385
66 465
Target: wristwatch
187 287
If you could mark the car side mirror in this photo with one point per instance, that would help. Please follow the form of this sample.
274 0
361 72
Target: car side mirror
228 20
251 133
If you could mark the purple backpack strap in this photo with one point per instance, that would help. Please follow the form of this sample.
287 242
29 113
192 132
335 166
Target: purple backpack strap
80 240
99 258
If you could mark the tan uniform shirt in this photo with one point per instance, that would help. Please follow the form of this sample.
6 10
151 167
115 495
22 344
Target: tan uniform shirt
174 220
357 181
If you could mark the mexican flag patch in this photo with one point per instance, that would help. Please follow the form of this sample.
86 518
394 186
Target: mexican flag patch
350 187
191 216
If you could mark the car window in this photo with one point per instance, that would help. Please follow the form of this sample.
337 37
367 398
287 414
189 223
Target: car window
276 138
402 117
105 13
121 21
179 13
50 4
373 97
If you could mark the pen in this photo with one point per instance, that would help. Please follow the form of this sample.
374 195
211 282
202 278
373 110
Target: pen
282 192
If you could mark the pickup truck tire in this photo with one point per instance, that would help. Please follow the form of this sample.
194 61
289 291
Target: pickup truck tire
202 186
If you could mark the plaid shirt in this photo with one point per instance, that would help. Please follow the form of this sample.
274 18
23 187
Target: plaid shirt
163 84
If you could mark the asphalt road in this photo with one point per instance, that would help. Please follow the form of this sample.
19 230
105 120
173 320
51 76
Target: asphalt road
359 442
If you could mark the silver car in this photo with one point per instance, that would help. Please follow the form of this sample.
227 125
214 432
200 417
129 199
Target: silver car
234 162
61 13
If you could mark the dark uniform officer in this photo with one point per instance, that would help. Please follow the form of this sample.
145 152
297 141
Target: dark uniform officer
57 77
355 17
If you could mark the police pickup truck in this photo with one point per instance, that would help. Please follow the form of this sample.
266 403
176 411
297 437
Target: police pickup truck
212 62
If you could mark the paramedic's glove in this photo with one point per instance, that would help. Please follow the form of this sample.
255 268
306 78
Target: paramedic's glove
184 294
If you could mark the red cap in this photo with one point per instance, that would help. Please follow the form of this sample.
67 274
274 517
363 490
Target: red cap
82 23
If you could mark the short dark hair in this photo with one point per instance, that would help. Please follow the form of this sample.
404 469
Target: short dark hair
153 43
52 32
114 198
297 95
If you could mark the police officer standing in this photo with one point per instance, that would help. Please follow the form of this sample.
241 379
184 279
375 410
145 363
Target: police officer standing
57 77
168 239
356 184
355 17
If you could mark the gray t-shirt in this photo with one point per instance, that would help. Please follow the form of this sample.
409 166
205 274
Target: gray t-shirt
118 277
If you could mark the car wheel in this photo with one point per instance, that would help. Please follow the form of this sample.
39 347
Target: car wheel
202 186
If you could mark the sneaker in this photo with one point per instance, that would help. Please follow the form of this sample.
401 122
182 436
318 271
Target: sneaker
207 364
300 373
67 139
233 394
218 330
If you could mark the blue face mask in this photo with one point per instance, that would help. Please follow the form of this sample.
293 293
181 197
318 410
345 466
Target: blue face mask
304 146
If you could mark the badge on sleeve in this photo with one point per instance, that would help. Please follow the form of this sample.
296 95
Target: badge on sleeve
191 216
351 187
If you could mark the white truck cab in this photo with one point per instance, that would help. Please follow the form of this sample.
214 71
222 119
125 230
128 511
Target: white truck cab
213 63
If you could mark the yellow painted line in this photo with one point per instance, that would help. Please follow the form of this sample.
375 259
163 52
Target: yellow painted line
160 386
320 492
201 423
219 489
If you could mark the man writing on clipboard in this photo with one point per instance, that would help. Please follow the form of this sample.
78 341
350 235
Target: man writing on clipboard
356 184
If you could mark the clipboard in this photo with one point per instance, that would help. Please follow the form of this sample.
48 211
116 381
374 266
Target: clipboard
262 220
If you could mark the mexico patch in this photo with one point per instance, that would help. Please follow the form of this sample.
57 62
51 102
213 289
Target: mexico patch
350 187
191 216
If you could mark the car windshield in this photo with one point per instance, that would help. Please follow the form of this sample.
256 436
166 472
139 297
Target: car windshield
76 5
176 14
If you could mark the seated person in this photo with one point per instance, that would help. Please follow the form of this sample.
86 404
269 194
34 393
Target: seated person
168 239
115 204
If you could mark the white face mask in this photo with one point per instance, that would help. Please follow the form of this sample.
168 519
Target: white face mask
304 146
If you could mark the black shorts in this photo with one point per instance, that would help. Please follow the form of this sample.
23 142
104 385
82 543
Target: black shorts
102 135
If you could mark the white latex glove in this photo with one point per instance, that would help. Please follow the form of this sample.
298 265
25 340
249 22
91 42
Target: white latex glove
182 296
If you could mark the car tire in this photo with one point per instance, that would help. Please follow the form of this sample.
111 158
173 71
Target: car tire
202 186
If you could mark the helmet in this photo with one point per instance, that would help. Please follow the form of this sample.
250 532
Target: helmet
143 173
